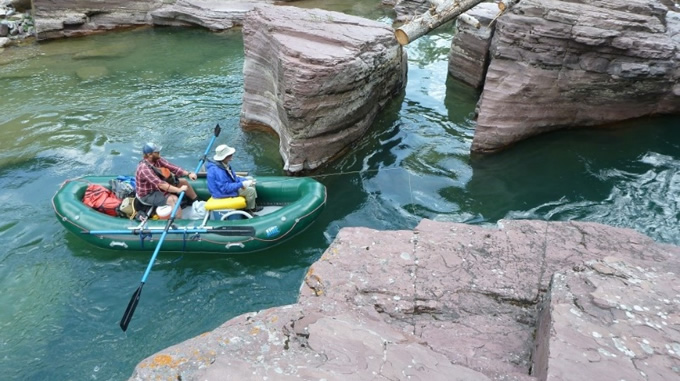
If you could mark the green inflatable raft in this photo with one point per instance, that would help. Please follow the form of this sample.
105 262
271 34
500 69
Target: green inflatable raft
290 204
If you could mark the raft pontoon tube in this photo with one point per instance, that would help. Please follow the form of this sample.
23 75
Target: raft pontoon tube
290 204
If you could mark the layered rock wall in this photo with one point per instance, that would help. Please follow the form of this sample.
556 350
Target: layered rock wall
215 15
572 63
66 18
469 54
319 81
526 300
407 9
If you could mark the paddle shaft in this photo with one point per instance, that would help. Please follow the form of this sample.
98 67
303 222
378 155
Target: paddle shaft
132 306
177 204
130 310
225 230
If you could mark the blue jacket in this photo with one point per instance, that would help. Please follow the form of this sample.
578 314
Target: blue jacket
222 183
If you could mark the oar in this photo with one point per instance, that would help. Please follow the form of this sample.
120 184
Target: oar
130 310
247 231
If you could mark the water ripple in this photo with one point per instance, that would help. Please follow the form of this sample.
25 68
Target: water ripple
62 298
645 201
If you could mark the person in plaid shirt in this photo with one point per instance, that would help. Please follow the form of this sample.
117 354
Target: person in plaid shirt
155 188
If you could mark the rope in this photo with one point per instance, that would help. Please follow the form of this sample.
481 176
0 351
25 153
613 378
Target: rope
342 173
410 191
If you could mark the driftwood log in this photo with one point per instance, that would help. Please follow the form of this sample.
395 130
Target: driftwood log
440 13
470 20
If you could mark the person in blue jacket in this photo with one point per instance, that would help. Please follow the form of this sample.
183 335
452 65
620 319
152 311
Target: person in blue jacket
223 182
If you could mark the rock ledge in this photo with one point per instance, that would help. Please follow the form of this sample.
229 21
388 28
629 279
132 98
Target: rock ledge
526 300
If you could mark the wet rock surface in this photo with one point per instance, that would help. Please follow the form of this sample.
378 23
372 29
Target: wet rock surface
447 301
408 9
68 18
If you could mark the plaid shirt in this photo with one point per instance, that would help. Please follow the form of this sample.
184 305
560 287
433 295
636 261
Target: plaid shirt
146 179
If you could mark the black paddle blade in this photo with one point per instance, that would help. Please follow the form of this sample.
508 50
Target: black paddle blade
246 231
218 129
130 310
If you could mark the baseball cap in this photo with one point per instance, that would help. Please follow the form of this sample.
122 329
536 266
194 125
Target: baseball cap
151 147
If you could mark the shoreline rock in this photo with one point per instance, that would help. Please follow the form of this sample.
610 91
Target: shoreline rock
69 18
469 54
454 301
16 23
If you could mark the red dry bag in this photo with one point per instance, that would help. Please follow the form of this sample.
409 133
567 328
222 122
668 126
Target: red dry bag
102 199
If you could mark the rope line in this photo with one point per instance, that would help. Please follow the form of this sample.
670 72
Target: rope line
342 173
410 191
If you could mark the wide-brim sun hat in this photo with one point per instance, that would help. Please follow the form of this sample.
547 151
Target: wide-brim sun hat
223 151
151 147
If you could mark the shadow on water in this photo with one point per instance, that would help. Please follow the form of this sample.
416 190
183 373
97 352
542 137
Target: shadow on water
460 104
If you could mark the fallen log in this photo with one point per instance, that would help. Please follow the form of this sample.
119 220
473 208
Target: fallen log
470 20
437 15
439 4
503 6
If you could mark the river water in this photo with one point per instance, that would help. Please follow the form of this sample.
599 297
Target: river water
85 106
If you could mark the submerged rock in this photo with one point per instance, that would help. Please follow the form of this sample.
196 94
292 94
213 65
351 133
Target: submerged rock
317 78
89 73
451 301
117 50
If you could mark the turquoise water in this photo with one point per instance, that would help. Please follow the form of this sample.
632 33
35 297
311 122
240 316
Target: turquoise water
85 106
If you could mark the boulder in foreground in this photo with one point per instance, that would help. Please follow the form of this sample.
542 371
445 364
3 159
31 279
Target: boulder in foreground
448 301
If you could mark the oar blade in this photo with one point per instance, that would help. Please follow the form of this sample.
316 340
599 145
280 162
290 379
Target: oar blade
130 310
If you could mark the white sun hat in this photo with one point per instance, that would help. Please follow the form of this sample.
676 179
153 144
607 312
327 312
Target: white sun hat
223 151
